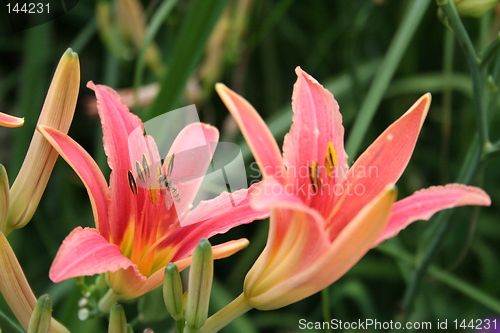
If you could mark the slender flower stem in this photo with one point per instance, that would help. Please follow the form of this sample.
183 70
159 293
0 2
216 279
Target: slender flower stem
478 76
107 301
474 156
325 300
490 52
446 119
233 310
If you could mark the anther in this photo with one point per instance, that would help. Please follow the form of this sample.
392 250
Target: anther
145 165
314 176
131 182
330 158
140 171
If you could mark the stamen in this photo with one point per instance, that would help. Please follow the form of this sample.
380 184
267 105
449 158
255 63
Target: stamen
145 165
314 176
170 164
141 174
330 158
131 182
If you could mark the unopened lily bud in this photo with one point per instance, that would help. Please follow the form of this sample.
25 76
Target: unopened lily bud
117 320
199 287
474 8
10 121
42 315
4 198
57 112
172 292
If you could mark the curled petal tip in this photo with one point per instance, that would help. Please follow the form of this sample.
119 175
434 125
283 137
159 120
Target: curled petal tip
10 121
91 85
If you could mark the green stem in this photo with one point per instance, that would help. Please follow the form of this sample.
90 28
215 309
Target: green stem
478 76
107 301
233 310
325 300
490 52
399 44
449 46
474 155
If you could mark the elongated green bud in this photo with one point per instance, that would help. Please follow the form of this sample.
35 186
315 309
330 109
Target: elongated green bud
42 315
200 285
474 8
117 320
172 292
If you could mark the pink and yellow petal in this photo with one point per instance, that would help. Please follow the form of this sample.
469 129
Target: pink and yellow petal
422 204
10 121
381 164
117 124
192 152
317 122
223 203
347 249
142 286
87 170
258 136
85 252
296 238
186 238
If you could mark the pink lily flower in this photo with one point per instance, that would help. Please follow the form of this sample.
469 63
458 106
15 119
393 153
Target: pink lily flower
326 215
137 227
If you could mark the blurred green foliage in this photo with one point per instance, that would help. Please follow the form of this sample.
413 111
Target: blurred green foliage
344 45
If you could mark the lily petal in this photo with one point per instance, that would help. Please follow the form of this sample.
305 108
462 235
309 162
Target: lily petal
316 122
10 121
220 251
347 249
117 124
422 204
186 238
296 239
209 208
87 170
85 252
381 164
258 136
192 149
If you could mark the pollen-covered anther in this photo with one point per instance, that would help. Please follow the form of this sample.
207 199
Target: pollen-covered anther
141 174
314 177
131 182
146 165
330 158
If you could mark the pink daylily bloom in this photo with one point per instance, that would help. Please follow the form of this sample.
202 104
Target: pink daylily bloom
10 121
326 215
137 233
